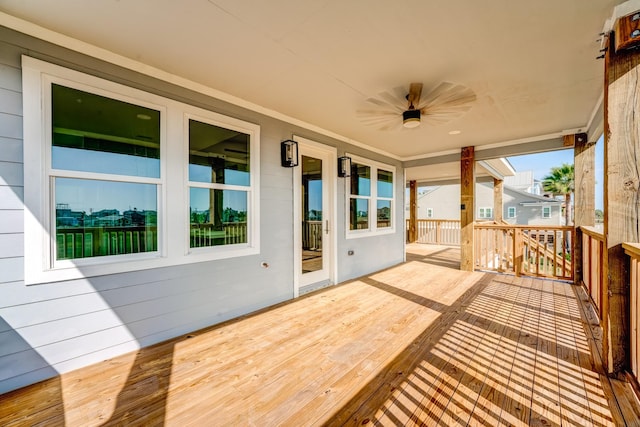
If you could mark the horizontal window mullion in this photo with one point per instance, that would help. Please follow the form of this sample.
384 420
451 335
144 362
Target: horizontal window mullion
219 186
60 173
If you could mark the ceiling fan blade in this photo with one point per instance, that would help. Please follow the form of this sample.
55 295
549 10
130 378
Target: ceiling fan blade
382 120
386 104
415 91
446 102
398 103
448 93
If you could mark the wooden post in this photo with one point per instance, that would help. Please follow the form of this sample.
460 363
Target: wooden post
517 251
621 196
583 196
413 211
467 208
498 190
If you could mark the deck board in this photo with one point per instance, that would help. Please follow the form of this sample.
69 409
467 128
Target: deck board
421 343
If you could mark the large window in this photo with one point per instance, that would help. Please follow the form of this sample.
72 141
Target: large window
360 197
219 185
371 189
118 179
105 175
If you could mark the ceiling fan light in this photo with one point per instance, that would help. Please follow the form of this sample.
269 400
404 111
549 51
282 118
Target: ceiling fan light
411 119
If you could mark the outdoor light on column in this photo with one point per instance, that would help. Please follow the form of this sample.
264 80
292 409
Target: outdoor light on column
289 153
344 166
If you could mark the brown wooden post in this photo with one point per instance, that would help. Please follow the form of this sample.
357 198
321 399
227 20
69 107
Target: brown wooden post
413 211
498 190
517 251
467 208
583 197
621 195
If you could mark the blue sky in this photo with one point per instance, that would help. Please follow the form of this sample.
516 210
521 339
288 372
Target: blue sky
542 163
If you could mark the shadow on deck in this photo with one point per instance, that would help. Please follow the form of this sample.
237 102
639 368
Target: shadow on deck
420 343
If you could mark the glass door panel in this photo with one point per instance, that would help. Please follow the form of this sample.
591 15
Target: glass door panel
312 215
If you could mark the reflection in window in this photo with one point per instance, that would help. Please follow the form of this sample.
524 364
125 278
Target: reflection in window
359 214
217 217
384 213
92 133
384 194
360 180
98 218
218 155
371 190
385 184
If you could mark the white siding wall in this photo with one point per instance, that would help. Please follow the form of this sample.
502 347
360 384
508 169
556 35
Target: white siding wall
56 327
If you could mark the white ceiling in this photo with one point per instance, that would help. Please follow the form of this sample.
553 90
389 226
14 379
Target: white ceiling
532 64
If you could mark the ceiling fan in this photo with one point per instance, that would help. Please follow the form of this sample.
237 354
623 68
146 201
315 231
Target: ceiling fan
442 104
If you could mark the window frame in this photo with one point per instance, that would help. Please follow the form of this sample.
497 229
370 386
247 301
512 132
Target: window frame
429 213
548 209
172 196
482 213
373 229
511 209
253 202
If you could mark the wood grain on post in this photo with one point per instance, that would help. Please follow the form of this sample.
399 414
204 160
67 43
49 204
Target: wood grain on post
467 203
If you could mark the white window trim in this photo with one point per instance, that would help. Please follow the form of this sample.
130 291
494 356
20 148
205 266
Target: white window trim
511 209
429 212
172 197
373 229
253 203
548 208
482 213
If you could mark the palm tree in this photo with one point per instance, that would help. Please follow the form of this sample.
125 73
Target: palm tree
560 182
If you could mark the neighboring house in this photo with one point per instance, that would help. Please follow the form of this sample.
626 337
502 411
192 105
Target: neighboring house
524 181
519 207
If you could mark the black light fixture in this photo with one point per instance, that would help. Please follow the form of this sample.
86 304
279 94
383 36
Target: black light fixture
289 153
411 118
344 166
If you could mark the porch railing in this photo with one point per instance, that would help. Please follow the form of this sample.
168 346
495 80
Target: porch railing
592 262
73 242
229 233
438 231
544 251
633 251
312 235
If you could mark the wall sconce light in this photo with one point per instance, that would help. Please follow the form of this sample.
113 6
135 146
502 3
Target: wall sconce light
344 166
289 153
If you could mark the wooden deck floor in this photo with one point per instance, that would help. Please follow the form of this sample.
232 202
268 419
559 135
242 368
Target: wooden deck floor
420 343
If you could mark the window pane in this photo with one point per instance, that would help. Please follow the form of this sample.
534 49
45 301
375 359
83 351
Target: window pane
92 133
99 218
359 214
385 183
360 180
218 217
218 155
384 213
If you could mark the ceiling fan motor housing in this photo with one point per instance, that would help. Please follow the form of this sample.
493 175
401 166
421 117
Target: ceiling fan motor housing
411 118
